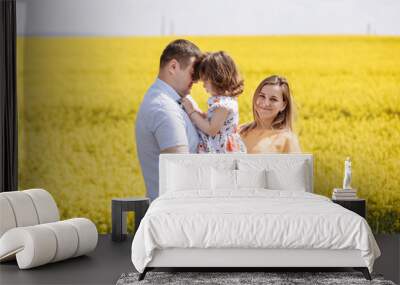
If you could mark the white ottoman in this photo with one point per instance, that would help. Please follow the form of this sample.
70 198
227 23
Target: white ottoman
31 233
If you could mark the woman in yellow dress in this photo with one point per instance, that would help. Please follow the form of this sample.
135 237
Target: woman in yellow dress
273 112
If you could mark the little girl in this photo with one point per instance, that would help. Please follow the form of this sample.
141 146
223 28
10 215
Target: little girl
218 129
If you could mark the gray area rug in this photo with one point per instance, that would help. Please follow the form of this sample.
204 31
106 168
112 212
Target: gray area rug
229 278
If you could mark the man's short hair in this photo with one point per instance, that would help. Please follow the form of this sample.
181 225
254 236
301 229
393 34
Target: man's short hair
180 50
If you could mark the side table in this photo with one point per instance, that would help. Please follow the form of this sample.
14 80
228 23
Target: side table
357 206
119 209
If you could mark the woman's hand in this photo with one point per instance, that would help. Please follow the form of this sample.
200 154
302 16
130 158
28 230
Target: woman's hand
187 105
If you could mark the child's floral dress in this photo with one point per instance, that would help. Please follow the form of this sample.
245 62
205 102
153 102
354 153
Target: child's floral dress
228 138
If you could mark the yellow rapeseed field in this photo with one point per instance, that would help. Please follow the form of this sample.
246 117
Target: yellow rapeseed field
78 98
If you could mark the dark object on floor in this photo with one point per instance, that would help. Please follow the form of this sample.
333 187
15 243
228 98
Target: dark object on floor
119 208
243 278
143 274
364 271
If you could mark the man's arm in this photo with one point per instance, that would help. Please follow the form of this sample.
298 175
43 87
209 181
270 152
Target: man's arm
170 131
176 149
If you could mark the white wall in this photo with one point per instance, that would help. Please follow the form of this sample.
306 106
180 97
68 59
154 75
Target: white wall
207 17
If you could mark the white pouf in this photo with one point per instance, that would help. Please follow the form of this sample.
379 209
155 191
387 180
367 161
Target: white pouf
31 232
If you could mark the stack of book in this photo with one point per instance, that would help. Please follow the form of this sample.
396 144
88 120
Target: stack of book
344 194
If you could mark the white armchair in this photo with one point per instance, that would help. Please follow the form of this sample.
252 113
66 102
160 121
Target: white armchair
31 232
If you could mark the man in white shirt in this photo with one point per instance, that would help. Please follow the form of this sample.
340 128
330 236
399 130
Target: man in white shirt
162 126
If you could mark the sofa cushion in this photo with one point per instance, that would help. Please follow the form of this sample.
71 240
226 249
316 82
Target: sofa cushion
46 207
40 244
27 208
7 215
23 208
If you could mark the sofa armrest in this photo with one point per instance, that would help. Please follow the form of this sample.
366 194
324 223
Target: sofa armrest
40 244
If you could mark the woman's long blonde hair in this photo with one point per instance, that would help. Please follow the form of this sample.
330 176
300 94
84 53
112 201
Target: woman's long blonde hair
285 118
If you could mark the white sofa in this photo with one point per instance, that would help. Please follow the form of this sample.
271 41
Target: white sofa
31 231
